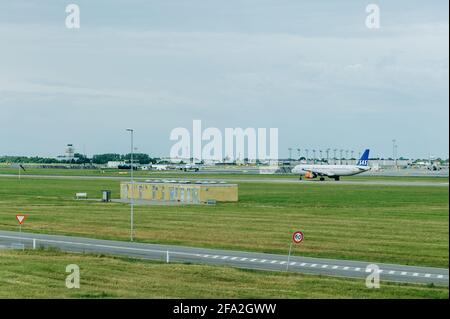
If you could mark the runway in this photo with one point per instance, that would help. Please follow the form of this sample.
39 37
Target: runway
238 259
293 180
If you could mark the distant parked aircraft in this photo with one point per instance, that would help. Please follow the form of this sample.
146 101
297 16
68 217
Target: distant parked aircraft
160 167
333 171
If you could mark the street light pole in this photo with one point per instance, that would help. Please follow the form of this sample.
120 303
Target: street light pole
132 186
394 156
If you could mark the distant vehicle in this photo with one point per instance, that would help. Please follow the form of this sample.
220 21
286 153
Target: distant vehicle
190 167
333 171
127 166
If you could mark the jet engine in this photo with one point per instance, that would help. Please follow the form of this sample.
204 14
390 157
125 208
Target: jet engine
310 175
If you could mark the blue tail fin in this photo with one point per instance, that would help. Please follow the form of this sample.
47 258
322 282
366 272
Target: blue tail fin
364 160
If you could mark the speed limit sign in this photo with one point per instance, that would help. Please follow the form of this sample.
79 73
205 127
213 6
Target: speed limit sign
298 237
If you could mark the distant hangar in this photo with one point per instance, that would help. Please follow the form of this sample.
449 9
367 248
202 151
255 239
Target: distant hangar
190 192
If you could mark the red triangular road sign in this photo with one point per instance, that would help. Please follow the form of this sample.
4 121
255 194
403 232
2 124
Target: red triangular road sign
21 218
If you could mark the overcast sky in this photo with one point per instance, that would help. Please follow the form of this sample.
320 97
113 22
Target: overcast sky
315 71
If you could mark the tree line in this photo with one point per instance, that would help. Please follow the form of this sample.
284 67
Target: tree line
82 159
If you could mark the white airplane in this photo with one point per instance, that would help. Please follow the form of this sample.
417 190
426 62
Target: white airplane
333 171
160 167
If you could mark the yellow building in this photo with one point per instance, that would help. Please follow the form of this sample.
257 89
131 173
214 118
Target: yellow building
195 192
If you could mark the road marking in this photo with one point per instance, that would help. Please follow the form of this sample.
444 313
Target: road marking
293 264
283 263
357 269
234 258
118 248
391 272
243 259
274 261
253 260
303 264
263 260
325 266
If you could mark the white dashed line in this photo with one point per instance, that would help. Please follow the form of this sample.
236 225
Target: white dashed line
243 259
415 274
225 257
314 265
283 263
303 264
325 266
346 268
335 267
403 273
357 269
391 272
427 275
274 261
440 276
264 260
293 264
253 260
234 258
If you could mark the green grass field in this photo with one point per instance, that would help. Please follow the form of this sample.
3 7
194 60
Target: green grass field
41 274
395 224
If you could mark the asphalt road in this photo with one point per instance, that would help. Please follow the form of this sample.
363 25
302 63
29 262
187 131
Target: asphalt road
249 260
293 180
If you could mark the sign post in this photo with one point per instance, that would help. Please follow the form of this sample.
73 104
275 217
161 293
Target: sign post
21 219
297 238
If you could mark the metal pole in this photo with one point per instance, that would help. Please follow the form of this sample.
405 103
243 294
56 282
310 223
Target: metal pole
394 157
289 257
132 187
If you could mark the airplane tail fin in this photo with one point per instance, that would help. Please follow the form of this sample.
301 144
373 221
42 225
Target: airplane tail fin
364 160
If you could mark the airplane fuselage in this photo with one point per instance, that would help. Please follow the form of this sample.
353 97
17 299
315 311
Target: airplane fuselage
329 170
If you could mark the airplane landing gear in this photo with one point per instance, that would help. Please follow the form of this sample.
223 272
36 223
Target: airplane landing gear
322 179
337 178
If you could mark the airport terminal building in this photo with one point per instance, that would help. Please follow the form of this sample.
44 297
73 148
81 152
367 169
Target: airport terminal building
190 192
